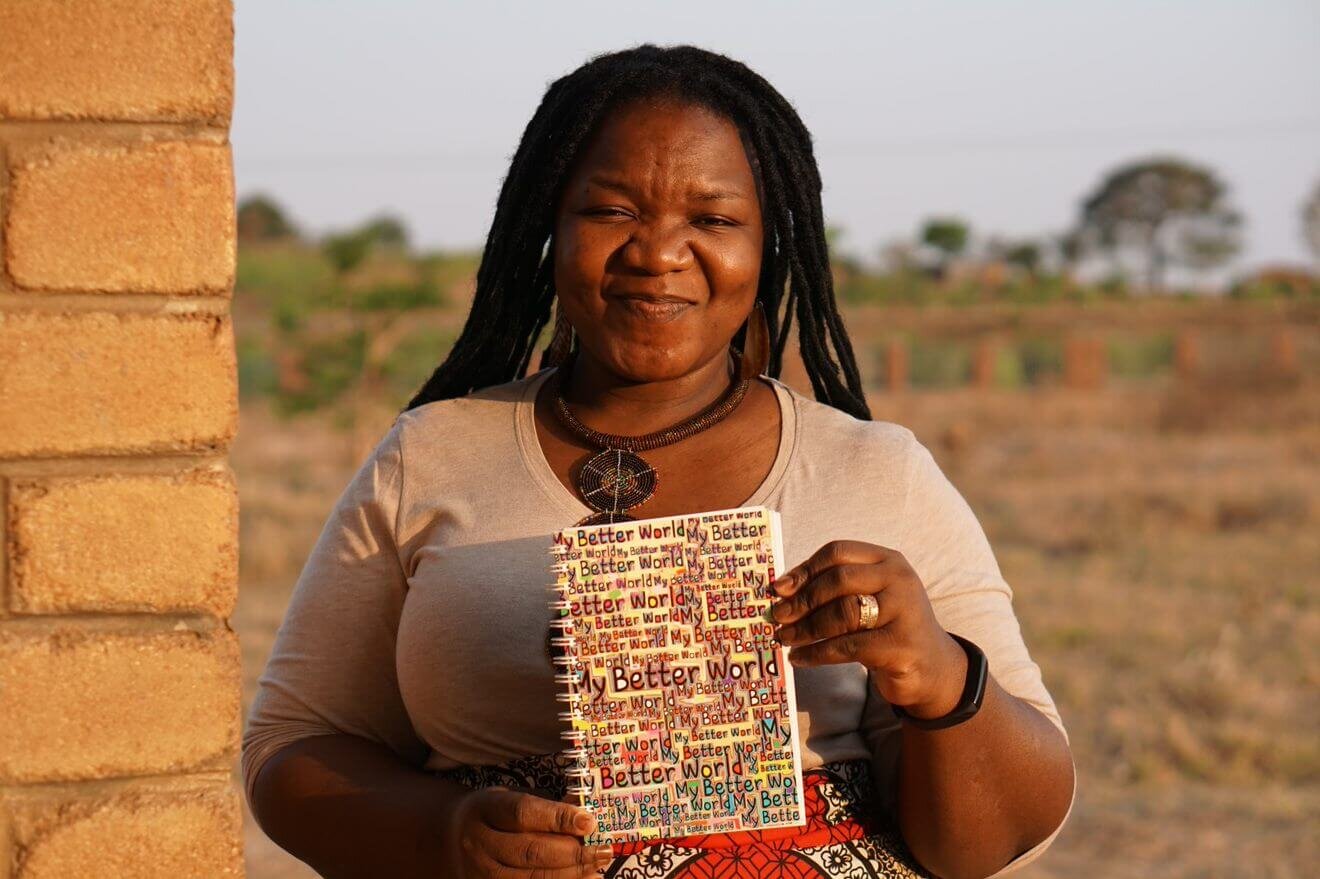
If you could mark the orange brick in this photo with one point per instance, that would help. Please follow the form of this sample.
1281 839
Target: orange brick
165 834
140 60
96 383
124 543
151 218
6 840
77 704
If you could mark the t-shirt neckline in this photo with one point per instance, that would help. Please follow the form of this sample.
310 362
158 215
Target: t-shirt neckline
529 448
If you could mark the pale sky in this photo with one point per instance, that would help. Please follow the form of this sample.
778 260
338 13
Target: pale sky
1005 113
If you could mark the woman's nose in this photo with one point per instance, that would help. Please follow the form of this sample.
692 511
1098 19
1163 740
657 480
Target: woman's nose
658 247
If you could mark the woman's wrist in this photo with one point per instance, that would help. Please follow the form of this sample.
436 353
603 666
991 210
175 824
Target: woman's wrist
948 679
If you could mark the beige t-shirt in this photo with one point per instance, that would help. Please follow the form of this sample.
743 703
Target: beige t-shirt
419 618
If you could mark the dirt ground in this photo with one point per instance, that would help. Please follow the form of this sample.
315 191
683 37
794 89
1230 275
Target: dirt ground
1163 547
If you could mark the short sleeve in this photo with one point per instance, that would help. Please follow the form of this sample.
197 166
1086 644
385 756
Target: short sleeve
332 666
948 549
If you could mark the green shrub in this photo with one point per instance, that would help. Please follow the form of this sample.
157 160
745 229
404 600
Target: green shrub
1041 359
938 364
331 366
257 373
416 358
1141 357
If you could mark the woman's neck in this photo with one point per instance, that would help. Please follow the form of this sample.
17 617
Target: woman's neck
614 404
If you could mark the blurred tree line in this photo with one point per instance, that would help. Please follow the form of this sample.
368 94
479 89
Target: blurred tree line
1144 220
355 319
350 322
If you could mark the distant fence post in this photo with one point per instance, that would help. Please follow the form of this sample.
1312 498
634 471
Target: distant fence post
983 364
896 365
1187 354
1283 353
1084 363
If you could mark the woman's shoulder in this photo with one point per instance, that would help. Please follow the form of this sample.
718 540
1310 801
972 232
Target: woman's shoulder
829 432
483 413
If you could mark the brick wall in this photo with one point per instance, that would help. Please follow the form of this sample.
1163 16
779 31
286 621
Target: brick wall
119 673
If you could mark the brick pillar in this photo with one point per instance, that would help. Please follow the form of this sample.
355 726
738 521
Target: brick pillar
119 672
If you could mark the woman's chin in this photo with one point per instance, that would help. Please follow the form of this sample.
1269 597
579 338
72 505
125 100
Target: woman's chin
652 362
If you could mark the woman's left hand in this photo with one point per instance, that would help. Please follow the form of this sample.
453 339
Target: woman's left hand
915 664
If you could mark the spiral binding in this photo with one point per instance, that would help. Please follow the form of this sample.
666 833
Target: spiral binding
570 677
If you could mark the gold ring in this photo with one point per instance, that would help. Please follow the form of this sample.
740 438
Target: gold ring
869 608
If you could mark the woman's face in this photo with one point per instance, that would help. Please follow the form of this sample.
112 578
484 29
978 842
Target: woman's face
662 202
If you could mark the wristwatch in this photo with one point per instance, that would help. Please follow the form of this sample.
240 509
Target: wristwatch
973 692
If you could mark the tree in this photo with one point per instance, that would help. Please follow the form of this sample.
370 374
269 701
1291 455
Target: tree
1311 221
1165 211
380 317
947 236
1025 255
347 250
898 257
386 231
261 219
1067 250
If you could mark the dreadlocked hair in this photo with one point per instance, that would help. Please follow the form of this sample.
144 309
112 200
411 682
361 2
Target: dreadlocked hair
515 280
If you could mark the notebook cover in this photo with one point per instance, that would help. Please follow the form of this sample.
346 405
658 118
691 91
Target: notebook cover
681 711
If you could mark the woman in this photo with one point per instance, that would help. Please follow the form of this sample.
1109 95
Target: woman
405 724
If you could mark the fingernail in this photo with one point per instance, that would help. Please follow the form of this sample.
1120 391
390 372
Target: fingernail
603 852
584 822
781 583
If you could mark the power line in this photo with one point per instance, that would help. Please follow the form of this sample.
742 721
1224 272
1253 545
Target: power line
1081 138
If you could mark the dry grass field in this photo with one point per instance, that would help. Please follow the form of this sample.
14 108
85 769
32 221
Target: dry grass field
1163 542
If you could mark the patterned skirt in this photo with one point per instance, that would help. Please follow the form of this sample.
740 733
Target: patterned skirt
842 839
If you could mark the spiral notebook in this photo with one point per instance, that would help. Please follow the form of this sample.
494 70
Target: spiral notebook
681 716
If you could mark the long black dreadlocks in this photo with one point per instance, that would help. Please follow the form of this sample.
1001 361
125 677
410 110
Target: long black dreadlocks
515 281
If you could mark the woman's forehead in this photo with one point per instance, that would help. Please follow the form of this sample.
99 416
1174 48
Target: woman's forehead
670 141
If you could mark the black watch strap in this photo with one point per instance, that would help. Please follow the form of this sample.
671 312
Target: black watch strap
972 695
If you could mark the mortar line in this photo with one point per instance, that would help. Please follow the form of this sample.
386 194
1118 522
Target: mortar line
181 304
141 463
6 283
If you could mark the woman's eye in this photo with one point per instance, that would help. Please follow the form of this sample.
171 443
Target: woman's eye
606 212
719 221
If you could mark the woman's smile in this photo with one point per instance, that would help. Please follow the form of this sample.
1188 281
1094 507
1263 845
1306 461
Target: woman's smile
654 310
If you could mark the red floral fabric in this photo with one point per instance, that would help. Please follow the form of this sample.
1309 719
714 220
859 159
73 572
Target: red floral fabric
844 837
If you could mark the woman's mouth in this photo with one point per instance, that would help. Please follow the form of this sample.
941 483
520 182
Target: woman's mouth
653 309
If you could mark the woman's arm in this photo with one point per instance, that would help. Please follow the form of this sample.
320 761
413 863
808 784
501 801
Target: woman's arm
969 798
972 797
973 800
350 807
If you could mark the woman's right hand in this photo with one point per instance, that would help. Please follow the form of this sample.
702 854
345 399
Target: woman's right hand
499 832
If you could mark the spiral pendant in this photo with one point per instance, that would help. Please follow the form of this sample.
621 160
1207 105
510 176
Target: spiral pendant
613 481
